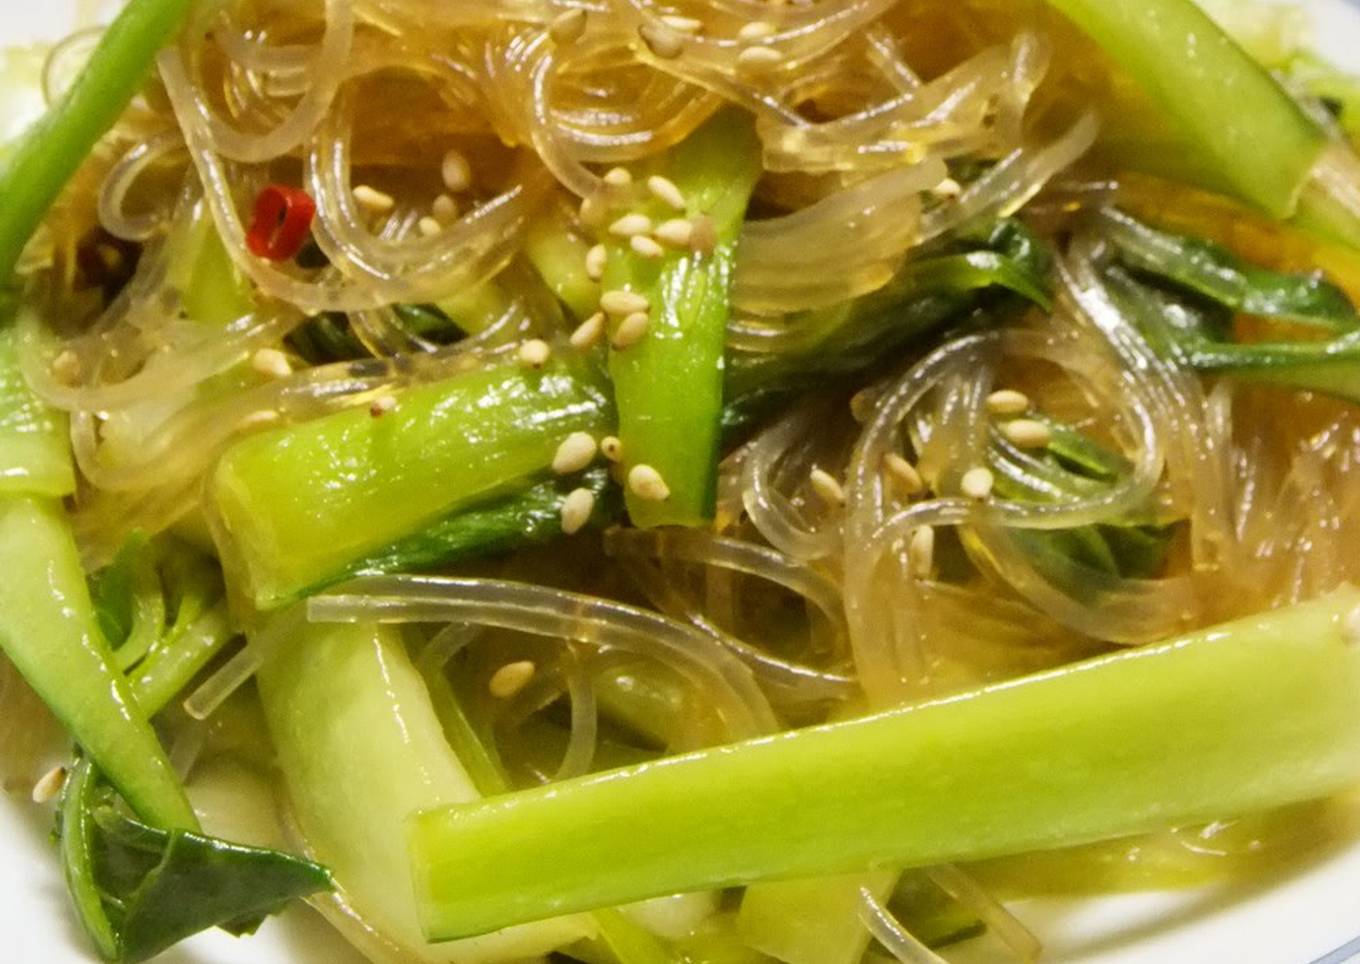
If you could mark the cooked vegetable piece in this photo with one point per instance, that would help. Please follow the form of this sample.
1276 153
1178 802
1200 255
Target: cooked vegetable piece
298 506
361 748
669 385
139 890
33 175
1251 714
35 455
49 630
1227 107
812 921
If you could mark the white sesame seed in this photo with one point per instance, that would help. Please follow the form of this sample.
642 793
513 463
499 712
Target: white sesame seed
576 510
597 259
588 332
630 225
631 330
661 40
534 353
646 247
619 177
828 489
575 453
265 416
619 302
646 483
593 212
568 26
921 551
611 448
371 199
1026 433
903 474
703 234
66 367
759 58
677 232
456 171
948 189
49 785
1350 628
665 191
511 678
429 227
682 24
271 362
977 483
444 208
756 30
381 405
1007 401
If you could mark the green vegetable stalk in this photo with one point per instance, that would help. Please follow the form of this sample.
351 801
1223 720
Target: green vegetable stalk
1226 106
33 175
299 506
669 385
1249 715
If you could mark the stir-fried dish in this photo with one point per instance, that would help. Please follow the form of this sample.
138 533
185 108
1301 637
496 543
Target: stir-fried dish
717 481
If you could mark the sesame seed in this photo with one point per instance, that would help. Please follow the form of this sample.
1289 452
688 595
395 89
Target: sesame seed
682 24
828 489
511 678
576 510
921 551
456 171
759 58
265 416
66 367
381 405
444 208
646 483
588 332
677 232
49 785
429 227
568 26
370 198
665 191
619 302
593 212
948 189
631 225
618 177
611 448
271 362
534 353
977 483
756 30
1026 433
661 40
1350 628
646 247
703 235
575 453
631 330
862 405
597 259
904 474
1007 402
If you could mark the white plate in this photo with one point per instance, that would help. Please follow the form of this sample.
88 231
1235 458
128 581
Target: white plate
1310 917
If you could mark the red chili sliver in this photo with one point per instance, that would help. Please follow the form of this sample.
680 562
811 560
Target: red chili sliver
278 228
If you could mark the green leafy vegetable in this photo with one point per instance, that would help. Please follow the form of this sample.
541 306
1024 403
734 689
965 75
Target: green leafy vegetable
33 175
1252 714
140 889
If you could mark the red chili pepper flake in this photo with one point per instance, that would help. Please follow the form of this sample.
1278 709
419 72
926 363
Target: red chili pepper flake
281 221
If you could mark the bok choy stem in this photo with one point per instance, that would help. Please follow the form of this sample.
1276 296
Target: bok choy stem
33 175
1245 716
